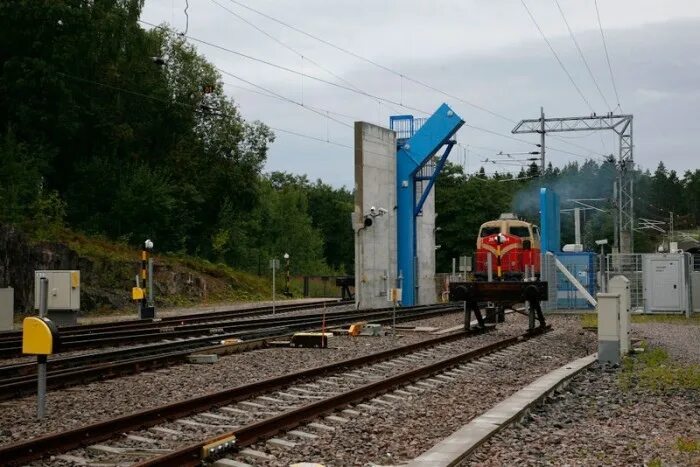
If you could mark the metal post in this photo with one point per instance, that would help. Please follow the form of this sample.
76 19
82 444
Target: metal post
577 225
530 316
467 317
454 267
41 359
151 301
616 229
602 269
43 296
542 133
622 247
273 286
489 266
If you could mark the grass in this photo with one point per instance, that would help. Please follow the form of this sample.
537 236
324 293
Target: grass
590 320
688 445
114 264
653 369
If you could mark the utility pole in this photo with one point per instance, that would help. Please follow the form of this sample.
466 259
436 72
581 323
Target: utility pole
542 133
670 229
624 185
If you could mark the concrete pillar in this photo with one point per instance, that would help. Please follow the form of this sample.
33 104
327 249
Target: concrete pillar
375 185
425 233
621 285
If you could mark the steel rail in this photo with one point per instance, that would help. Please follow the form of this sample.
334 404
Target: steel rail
250 434
223 313
134 361
26 451
93 340
11 345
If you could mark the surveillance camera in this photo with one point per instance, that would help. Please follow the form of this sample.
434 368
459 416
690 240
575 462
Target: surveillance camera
602 242
372 210
383 211
148 244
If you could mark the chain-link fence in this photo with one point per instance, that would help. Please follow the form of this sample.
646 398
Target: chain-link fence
628 265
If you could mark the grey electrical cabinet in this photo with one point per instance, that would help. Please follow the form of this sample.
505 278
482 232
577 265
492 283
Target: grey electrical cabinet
666 277
64 289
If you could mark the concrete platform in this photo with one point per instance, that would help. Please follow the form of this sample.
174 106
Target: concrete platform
463 442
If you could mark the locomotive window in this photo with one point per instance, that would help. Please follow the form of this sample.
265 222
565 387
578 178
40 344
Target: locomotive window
522 231
486 231
536 231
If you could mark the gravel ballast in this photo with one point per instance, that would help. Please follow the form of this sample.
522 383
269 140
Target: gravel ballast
603 419
390 435
81 405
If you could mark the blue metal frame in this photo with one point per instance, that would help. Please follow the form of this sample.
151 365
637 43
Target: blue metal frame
412 154
431 180
550 222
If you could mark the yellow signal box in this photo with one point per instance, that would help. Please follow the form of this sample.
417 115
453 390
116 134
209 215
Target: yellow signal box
39 336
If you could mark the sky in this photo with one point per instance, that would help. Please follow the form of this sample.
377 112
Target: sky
484 58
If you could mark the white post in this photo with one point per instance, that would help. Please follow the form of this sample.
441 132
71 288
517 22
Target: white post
621 285
577 225
608 328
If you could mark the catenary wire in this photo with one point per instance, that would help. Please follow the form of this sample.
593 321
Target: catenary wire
607 55
388 69
556 56
580 53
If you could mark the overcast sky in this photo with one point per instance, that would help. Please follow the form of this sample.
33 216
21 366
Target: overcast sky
487 52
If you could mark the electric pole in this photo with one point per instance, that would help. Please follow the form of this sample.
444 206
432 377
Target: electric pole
624 186
542 133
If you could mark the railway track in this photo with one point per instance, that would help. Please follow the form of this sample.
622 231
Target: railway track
66 371
133 331
256 411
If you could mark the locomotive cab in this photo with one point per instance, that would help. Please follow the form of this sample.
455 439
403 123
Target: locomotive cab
513 244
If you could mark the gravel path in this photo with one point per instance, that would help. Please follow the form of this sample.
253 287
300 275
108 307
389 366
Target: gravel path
81 405
682 341
597 421
392 435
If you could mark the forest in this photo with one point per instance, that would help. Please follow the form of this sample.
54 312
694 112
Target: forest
113 129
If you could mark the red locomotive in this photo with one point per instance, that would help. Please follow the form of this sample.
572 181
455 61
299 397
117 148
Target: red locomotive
514 247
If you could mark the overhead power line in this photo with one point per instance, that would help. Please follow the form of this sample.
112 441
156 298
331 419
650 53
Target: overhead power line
556 56
291 70
374 63
385 68
354 88
283 44
607 56
580 53
284 98
357 91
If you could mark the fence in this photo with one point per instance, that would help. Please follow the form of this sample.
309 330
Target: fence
628 265
315 286
695 262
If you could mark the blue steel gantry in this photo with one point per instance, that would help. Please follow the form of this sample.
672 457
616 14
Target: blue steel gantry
417 142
